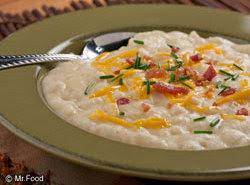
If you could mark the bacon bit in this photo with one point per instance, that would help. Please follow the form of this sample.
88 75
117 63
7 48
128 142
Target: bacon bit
210 73
199 82
152 65
169 105
210 62
130 61
209 93
155 73
179 72
228 91
122 101
117 72
196 58
145 107
162 88
242 111
190 72
175 49
198 79
147 57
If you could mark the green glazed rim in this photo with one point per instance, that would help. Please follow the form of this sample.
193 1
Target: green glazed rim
24 113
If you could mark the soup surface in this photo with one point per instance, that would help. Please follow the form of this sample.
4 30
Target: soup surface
164 90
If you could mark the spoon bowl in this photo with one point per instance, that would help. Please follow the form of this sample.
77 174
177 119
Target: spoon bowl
94 47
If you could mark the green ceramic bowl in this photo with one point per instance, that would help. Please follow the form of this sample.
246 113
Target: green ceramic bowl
24 112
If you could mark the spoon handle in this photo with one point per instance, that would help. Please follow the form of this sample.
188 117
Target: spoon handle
10 61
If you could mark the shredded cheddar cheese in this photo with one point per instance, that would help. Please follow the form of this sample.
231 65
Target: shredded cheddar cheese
243 84
245 74
240 97
104 91
138 87
151 123
208 47
233 116
99 115
112 64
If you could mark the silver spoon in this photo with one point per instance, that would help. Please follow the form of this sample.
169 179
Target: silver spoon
94 47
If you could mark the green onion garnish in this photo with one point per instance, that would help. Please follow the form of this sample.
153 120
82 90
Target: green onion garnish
183 78
148 86
173 68
121 113
179 63
139 42
235 77
174 55
172 78
117 77
87 89
183 83
159 65
225 73
220 85
240 68
139 65
151 82
144 67
121 81
214 122
200 118
223 89
170 45
230 76
106 76
137 62
203 132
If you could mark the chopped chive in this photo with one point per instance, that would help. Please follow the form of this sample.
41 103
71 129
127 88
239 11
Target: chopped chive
170 45
223 89
87 89
151 82
183 78
218 84
148 86
106 76
235 77
137 62
144 67
174 55
159 65
240 68
183 83
172 78
200 118
230 76
121 81
203 132
173 68
121 113
226 73
214 123
117 77
139 42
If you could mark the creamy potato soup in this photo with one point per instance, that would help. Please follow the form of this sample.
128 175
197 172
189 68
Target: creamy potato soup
164 90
